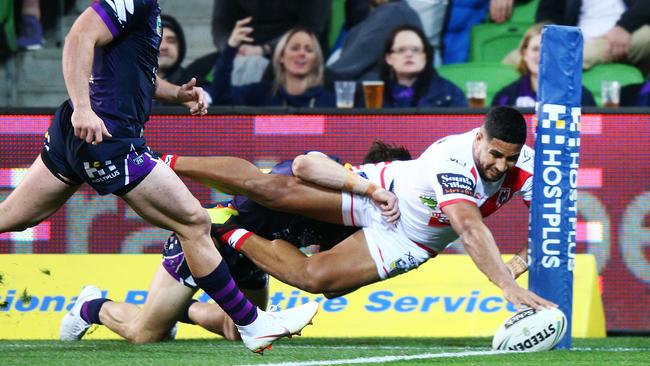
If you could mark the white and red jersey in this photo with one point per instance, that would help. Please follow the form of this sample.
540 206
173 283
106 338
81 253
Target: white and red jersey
446 173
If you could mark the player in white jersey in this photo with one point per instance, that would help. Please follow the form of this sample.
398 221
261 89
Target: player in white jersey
442 195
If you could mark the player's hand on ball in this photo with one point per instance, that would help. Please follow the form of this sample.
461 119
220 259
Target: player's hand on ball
387 202
521 298
89 127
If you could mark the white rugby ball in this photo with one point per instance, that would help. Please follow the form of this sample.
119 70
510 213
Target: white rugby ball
531 330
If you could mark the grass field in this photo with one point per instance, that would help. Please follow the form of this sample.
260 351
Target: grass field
317 351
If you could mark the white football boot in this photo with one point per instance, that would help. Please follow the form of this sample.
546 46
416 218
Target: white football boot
271 326
73 327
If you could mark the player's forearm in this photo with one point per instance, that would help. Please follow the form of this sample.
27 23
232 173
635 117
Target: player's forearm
479 244
166 91
325 172
78 53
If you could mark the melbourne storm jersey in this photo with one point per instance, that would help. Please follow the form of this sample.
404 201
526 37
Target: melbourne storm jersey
446 173
298 230
122 84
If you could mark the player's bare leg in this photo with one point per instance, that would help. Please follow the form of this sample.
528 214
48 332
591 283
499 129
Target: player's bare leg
276 191
166 300
163 200
39 195
347 266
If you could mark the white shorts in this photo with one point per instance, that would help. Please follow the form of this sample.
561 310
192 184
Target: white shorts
393 252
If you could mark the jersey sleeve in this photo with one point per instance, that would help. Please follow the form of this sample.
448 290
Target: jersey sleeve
454 182
121 16
526 191
526 165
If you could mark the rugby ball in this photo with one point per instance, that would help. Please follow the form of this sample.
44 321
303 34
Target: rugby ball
531 330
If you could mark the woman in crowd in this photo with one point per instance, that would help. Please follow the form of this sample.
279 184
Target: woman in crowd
410 79
523 92
297 65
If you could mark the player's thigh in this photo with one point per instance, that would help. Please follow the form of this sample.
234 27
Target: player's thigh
163 200
348 265
165 304
37 197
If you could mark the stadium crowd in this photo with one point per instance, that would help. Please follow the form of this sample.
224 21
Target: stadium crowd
292 53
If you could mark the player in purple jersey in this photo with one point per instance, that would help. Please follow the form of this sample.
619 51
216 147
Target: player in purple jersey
109 67
172 287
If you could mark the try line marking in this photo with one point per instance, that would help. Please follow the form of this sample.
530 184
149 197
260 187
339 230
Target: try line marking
383 359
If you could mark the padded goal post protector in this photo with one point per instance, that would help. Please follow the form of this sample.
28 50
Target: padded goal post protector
553 214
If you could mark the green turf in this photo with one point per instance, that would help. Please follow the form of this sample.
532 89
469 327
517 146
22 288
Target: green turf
314 351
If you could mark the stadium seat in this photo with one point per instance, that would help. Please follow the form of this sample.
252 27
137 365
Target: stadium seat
623 73
495 74
524 13
491 42
7 28
337 19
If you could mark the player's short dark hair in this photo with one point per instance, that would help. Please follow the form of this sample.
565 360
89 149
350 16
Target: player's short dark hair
380 151
506 124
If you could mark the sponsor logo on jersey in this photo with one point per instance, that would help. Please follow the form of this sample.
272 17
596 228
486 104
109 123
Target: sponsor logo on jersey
461 163
428 201
99 172
456 183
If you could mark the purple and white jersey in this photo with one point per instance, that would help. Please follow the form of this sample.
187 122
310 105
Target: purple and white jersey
123 80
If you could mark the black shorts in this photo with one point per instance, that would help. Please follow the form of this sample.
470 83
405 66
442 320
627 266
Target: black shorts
115 166
246 274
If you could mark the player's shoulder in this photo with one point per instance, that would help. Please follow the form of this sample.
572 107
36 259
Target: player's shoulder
526 159
452 152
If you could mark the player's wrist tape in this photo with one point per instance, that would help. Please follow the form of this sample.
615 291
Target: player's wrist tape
169 159
517 265
353 183
371 189
236 238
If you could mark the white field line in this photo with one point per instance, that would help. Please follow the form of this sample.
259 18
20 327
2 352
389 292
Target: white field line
383 359
424 356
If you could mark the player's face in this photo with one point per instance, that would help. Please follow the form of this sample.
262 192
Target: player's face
299 56
407 56
168 49
531 54
494 157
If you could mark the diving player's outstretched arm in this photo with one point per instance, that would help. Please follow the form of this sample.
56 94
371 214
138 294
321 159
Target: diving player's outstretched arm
323 171
87 33
466 220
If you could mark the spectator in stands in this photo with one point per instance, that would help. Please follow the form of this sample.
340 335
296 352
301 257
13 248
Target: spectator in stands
270 20
614 30
462 15
363 45
30 31
523 92
298 68
636 95
172 52
410 80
